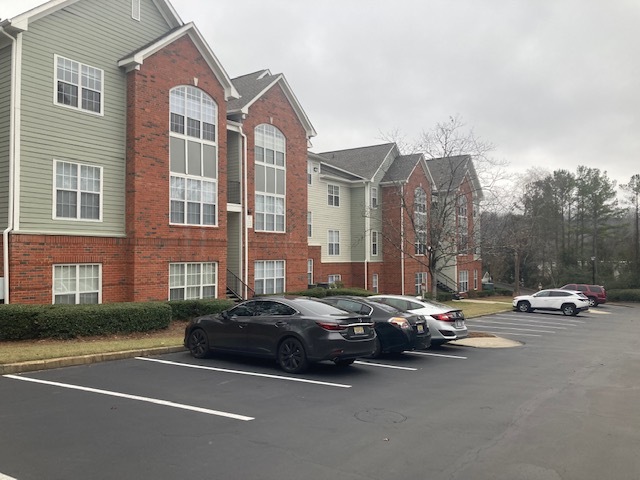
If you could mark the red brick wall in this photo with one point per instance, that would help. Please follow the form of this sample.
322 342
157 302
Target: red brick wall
156 243
274 108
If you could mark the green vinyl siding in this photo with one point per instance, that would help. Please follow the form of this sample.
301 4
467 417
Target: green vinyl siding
5 114
98 34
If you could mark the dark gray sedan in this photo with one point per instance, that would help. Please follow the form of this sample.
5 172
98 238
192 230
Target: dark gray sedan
293 330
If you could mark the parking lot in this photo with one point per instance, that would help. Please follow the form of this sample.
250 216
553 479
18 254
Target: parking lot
549 409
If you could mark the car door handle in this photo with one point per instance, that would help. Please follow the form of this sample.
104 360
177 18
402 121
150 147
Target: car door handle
281 324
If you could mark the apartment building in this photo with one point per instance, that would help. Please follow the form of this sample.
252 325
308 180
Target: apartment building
133 168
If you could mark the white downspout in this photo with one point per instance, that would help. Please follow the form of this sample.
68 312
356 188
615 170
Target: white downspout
245 223
402 246
13 106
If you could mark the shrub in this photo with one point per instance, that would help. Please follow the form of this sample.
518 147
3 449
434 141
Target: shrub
186 309
624 295
20 322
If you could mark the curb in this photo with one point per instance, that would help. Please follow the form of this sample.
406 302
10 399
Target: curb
35 365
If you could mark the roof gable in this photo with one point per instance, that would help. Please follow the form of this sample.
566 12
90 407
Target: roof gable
254 85
137 58
20 22
363 161
450 172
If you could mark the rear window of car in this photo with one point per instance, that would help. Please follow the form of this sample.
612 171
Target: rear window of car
596 288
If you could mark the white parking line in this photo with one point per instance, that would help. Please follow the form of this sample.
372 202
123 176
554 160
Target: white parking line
437 355
6 477
516 334
518 329
241 372
541 318
381 365
499 322
598 312
134 397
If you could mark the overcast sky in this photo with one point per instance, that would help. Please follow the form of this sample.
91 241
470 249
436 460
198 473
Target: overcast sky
551 83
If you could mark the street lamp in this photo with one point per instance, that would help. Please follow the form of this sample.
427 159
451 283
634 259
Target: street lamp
593 270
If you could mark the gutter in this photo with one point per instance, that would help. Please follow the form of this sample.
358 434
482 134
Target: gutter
13 154
245 223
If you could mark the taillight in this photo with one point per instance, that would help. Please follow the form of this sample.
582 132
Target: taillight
334 327
400 322
443 317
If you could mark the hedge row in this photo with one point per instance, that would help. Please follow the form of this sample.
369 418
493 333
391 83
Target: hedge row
24 322
623 295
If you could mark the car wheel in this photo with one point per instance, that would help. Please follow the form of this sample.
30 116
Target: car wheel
198 343
593 302
291 356
524 306
378 349
569 309
344 362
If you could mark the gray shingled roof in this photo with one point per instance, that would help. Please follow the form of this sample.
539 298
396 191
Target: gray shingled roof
401 168
362 161
449 172
250 86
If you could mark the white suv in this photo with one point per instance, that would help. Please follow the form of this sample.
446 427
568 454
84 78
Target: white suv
567 301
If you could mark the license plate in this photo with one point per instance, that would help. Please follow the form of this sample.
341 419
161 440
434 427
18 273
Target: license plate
459 324
420 328
358 330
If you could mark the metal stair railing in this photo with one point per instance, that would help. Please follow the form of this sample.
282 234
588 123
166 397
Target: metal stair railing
236 287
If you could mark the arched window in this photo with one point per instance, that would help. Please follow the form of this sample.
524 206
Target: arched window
420 220
270 164
193 157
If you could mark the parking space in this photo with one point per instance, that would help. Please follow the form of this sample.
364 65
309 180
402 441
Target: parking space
245 418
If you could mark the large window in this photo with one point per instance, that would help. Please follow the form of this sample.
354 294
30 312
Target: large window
310 271
192 281
463 281
74 284
333 279
79 86
333 195
78 191
374 244
463 226
270 165
374 283
269 276
193 158
420 220
333 241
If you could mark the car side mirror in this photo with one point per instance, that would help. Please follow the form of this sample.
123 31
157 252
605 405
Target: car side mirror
225 315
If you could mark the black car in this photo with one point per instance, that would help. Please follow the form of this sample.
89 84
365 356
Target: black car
396 331
293 330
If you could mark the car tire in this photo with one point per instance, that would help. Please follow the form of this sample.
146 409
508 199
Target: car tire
198 344
344 362
524 307
593 302
291 356
569 309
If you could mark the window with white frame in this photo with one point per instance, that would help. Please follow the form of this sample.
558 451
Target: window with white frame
77 284
192 281
333 279
421 283
374 197
463 225
193 157
135 9
309 224
78 191
269 276
270 174
79 86
374 243
310 271
333 242
463 281
333 195
374 283
475 279
420 220
309 173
